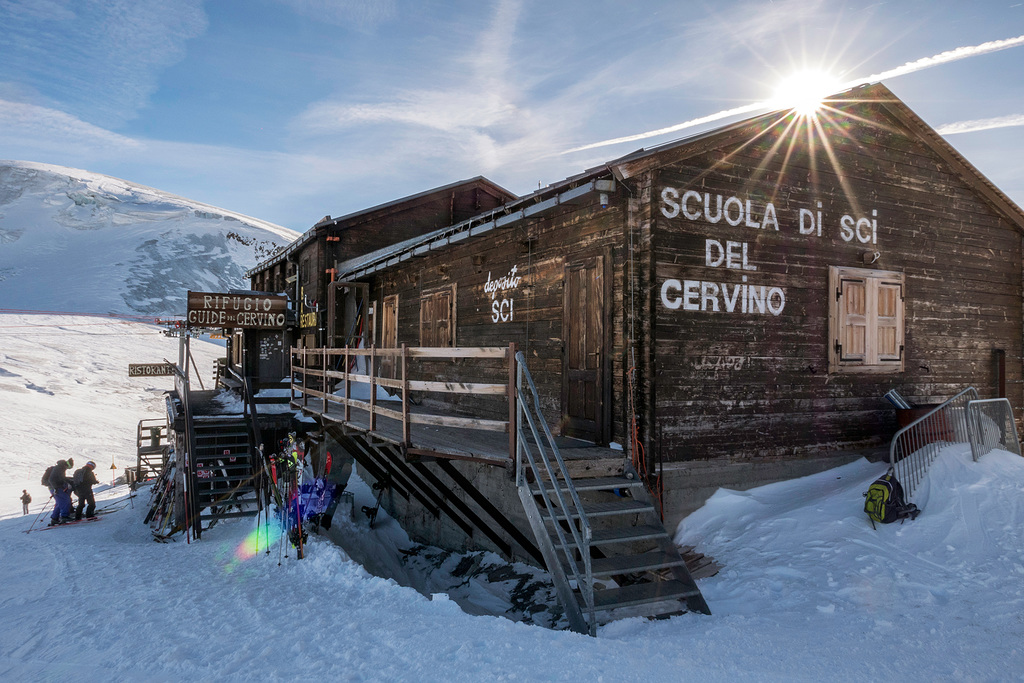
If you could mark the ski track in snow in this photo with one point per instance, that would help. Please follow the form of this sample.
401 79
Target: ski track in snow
808 590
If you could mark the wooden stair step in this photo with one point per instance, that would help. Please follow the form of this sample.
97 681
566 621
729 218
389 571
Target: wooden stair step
639 594
622 506
622 534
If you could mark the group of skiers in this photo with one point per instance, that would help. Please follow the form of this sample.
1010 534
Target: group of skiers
61 487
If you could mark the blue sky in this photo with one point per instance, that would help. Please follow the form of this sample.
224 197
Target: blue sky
289 110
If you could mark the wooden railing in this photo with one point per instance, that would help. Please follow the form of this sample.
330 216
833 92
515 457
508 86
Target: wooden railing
323 382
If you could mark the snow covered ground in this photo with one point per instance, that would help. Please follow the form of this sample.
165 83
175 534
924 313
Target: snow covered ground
808 592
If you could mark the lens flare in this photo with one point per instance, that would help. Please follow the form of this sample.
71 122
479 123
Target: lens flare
258 539
804 91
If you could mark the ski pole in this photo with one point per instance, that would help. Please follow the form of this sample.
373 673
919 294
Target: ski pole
45 505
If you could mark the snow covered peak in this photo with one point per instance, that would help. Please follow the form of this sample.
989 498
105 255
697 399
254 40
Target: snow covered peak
80 242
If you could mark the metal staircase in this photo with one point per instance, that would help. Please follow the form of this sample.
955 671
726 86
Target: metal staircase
224 469
595 531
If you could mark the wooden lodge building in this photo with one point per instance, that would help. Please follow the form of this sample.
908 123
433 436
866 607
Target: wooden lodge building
724 310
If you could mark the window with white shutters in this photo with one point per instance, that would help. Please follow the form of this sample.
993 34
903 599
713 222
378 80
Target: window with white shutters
865 320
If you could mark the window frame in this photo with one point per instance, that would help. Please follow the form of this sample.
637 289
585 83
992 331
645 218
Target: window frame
874 282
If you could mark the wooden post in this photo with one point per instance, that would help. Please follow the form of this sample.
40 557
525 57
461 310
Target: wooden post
326 380
406 440
512 397
373 388
305 394
348 389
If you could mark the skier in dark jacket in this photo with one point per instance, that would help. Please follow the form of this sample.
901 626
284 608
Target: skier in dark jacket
83 482
61 487
25 500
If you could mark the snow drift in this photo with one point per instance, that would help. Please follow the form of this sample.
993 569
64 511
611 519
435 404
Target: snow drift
808 592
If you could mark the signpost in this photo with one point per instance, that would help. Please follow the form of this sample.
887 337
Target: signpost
247 311
150 369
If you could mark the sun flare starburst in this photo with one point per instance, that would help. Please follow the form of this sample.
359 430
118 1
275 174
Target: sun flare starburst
804 91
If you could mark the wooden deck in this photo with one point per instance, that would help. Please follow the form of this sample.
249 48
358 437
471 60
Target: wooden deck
458 443
419 432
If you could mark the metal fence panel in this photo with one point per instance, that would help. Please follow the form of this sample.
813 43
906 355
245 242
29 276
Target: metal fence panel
991 426
915 446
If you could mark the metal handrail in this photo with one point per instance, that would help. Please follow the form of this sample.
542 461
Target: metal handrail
529 415
914 447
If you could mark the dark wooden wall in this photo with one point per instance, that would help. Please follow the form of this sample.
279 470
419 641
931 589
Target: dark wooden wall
733 384
539 250
347 238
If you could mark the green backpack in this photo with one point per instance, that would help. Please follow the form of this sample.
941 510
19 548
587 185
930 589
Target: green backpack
884 501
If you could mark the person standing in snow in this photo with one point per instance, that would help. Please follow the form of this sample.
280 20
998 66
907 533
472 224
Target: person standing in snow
25 500
82 483
61 488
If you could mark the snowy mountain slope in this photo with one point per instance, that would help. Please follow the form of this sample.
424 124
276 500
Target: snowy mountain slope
808 591
80 242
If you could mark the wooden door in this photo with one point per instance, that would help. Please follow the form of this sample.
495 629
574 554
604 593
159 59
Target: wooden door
389 334
585 355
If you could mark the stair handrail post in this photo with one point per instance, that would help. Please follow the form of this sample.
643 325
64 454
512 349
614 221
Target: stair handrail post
324 381
406 427
348 388
304 361
373 387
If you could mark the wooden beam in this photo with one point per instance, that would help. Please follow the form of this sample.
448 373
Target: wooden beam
511 529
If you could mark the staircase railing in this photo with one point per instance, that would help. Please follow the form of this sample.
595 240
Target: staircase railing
914 447
538 454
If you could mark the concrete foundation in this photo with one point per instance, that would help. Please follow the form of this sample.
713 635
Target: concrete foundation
686 488
688 485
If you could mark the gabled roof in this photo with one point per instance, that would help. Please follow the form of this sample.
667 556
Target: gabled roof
573 189
645 159
381 210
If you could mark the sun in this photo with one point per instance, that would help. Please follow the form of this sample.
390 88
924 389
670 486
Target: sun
804 91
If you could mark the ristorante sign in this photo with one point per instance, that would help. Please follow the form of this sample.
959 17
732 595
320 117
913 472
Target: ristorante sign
259 311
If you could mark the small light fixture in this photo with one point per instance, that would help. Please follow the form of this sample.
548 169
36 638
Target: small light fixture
604 200
870 257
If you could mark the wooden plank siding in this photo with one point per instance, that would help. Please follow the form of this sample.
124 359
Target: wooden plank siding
705 383
538 251
734 384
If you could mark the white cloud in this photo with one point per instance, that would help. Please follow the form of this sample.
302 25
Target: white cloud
981 124
55 130
99 58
